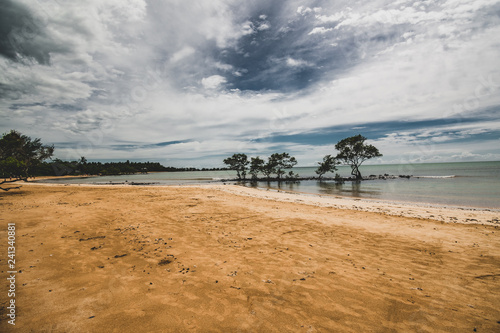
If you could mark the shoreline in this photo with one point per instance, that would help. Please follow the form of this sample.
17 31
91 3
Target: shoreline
442 213
447 214
391 199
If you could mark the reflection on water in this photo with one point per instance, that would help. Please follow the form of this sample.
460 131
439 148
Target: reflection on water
352 189
330 188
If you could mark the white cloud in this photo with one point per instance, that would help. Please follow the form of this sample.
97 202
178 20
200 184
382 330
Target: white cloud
182 54
101 84
240 72
213 20
303 10
223 67
264 26
320 30
467 156
391 16
247 28
39 83
455 12
296 62
213 82
332 18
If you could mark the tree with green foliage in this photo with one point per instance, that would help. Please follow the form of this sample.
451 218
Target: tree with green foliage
82 165
292 175
353 151
268 168
62 168
20 156
11 167
329 164
256 164
282 161
238 162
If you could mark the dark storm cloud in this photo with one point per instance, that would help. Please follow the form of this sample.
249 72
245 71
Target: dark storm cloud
136 146
279 51
282 63
23 35
17 106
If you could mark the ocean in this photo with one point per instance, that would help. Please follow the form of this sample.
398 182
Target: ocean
463 184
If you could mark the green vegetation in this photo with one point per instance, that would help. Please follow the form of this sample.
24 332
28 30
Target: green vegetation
282 161
268 168
276 164
238 163
256 164
83 167
329 164
22 157
353 151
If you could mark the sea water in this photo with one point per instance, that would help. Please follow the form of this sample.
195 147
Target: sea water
464 184
467 184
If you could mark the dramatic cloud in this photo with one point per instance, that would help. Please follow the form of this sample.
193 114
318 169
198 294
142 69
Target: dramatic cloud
189 83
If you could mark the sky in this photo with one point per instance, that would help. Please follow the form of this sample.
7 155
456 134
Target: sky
189 83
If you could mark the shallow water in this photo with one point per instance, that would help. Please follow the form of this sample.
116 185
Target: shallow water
468 184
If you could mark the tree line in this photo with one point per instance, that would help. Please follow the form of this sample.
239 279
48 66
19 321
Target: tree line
83 167
276 164
352 151
22 157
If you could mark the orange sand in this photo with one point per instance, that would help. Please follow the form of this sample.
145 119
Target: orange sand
227 259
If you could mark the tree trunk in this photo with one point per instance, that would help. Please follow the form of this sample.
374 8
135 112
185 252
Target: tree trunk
355 172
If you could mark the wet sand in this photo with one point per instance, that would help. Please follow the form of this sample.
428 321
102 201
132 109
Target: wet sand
231 259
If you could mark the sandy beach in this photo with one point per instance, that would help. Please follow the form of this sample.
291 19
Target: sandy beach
232 259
